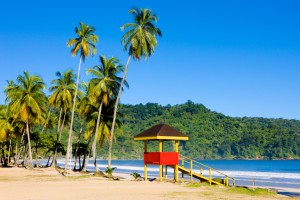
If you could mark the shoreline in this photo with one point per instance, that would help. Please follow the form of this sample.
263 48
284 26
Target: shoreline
236 170
221 159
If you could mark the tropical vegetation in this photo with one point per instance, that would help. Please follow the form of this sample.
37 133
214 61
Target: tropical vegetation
212 135
81 119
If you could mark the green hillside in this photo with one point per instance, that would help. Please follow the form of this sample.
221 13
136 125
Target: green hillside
212 135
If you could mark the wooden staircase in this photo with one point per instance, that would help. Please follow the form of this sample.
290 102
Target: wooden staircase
194 165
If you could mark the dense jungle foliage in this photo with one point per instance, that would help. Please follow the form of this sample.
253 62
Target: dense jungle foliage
212 135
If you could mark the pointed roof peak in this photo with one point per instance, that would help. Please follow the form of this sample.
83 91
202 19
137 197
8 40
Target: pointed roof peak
161 132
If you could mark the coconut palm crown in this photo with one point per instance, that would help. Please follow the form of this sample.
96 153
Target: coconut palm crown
105 81
140 39
63 89
84 42
26 97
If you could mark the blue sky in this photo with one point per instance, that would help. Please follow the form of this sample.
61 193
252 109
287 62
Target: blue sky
240 58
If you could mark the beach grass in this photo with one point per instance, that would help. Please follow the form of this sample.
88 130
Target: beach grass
203 184
250 191
234 190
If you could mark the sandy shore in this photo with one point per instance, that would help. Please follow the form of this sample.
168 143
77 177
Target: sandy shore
46 183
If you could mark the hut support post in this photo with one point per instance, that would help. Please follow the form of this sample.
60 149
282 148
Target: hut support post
145 172
176 166
160 166
145 165
166 172
146 146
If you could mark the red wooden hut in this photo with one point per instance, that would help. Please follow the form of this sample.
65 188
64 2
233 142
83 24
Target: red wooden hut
161 133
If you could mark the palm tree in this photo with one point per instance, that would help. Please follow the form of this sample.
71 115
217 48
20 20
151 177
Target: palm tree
27 100
139 41
5 130
8 128
105 88
85 44
19 127
63 89
5 126
89 109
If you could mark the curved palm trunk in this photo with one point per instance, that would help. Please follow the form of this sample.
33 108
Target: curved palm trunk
94 146
20 149
86 161
25 154
69 148
62 126
29 144
79 160
59 119
9 149
115 113
36 156
46 120
15 156
49 157
86 156
53 164
76 150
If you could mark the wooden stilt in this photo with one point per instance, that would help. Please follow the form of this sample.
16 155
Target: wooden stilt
166 172
145 172
160 149
160 172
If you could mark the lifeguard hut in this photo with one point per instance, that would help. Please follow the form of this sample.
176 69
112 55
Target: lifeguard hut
164 132
161 133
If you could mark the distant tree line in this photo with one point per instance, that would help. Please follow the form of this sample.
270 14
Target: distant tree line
212 135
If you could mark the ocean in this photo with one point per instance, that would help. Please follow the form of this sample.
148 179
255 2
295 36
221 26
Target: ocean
267 173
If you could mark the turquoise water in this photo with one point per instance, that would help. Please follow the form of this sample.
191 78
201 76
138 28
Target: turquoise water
268 173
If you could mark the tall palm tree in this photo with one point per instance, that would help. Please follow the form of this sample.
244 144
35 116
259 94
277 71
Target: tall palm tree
27 100
105 88
63 89
139 41
85 44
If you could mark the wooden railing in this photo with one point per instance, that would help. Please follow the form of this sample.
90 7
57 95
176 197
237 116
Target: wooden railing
193 165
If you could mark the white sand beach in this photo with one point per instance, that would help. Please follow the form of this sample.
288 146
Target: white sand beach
47 183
